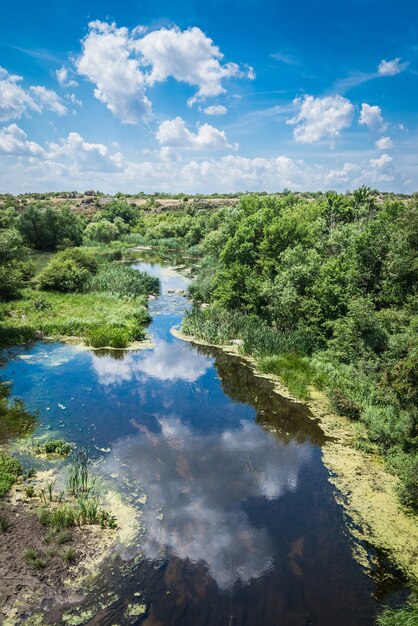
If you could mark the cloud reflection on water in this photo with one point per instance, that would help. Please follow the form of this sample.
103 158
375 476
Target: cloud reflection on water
199 483
167 361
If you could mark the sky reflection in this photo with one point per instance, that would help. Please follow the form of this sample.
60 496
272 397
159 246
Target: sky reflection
196 486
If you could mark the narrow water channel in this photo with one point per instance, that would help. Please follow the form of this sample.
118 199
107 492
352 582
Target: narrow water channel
238 521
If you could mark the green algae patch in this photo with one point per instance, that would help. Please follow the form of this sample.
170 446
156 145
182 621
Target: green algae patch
134 610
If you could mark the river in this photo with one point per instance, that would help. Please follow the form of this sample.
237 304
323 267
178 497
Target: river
238 522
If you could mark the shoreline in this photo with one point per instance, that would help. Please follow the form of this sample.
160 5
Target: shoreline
364 487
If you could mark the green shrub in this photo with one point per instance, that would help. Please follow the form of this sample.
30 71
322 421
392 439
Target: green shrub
63 275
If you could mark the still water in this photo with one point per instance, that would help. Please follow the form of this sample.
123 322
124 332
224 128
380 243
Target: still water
238 521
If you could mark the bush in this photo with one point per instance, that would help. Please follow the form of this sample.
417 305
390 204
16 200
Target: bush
103 231
47 228
68 271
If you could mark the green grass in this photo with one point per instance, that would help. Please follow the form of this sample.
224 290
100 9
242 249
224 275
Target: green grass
122 280
4 524
68 555
10 470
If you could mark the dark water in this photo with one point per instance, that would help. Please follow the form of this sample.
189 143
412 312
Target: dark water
239 525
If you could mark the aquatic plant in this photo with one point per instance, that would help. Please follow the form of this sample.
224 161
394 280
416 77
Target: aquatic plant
78 483
122 280
14 419
292 369
58 447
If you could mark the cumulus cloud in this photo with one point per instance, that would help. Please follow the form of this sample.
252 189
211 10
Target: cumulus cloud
371 116
13 141
106 61
321 118
384 143
84 155
49 99
174 135
391 68
15 100
215 109
64 77
122 63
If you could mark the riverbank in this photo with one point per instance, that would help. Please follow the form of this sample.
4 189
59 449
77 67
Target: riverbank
365 489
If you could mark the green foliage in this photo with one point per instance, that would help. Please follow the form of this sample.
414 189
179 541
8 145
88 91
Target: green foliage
48 228
102 230
70 270
10 470
108 336
68 555
14 268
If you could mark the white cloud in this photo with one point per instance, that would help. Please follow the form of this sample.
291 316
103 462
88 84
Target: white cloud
48 99
215 109
15 100
106 61
64 77
321 117
85 156
384 143
371 116
175 134
123 63
391 68
188 56
13 141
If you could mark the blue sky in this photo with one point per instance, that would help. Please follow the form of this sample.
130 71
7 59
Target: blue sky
196 97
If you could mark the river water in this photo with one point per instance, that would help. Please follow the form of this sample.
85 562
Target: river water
238 521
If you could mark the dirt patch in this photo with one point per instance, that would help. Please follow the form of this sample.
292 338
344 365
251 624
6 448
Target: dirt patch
23 587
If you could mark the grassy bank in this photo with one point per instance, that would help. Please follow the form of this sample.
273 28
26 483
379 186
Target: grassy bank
80 293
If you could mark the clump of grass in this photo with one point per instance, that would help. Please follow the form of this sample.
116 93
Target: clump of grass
63 517
106 335
34 558
57 447
4 523
78 483
293 370
30 491
122 280
68 555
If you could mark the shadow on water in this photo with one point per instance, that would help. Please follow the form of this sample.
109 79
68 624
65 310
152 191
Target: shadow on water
238 520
